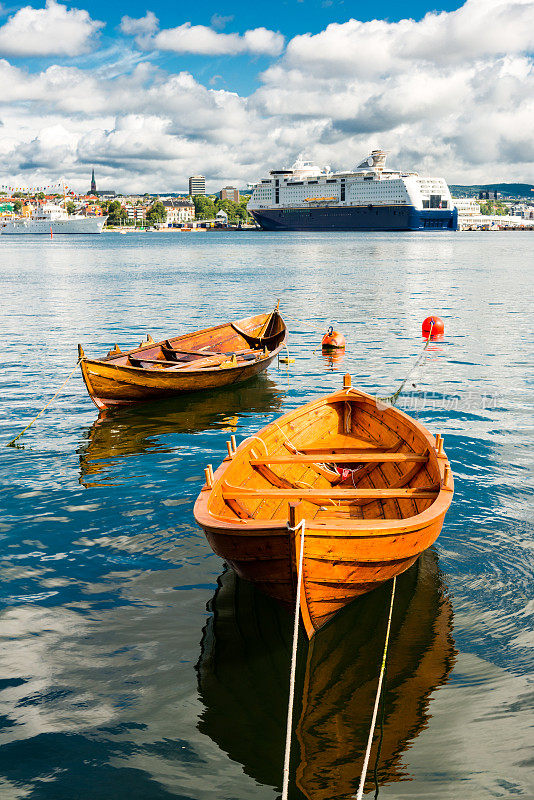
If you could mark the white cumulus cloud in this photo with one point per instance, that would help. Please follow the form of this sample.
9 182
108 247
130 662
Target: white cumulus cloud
441 99
143 25
53 30
479 29
202 40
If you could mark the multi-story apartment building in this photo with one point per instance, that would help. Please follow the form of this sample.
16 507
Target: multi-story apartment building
135 212
229 193
197 185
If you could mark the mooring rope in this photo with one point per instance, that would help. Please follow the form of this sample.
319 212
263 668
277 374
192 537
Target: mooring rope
392 398
289 728
12 442
359 794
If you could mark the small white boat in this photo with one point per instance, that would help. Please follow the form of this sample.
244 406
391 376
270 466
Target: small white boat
49 218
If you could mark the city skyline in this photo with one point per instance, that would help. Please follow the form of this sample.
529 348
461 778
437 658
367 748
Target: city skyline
149 97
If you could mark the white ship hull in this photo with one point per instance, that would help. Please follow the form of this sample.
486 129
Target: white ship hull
80 225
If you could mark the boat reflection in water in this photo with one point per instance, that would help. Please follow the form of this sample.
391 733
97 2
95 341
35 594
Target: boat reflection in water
332 359
140 428
243 674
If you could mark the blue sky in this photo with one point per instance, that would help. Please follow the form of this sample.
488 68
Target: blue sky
237 73
152 93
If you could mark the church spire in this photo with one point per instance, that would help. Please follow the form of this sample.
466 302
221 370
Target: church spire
92 190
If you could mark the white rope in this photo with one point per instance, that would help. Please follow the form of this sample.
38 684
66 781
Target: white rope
289 728
259 439
359 795
287 439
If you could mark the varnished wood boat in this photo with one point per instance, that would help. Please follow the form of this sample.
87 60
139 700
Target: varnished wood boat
372 485
206 359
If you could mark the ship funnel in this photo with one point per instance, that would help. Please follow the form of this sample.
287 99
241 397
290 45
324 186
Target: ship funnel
376 161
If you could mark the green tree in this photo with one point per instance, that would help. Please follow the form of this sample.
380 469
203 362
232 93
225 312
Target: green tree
245 215
204 207
17 206
71 207
486 208
115 213
156 213
40 196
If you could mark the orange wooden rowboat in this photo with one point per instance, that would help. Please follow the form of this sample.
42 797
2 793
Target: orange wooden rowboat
206 359
362 527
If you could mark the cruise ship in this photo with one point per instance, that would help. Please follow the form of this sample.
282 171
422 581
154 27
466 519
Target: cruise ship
309 198
52 219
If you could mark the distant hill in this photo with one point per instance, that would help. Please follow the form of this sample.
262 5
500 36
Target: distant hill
507 189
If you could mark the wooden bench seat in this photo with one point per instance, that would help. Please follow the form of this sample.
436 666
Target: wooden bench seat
348 458
241 493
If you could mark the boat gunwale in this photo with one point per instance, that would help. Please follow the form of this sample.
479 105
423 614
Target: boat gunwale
378 527
203 371
146 345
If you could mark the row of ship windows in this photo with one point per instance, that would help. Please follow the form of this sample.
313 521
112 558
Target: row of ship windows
376 204
351 193
335 212
359 184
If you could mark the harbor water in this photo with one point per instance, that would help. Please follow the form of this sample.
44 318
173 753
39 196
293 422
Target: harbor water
132 665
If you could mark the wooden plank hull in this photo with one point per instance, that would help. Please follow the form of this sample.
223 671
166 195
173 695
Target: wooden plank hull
338 567
363 537
145 373
115 386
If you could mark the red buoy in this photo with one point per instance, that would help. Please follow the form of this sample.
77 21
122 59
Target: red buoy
332 340
434 324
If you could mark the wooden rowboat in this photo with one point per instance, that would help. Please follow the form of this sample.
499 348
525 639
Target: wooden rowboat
371 484
206 359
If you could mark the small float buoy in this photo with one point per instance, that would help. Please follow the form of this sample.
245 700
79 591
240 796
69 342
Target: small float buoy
332 340
433 325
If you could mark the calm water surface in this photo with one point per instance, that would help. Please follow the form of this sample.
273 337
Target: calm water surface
132 665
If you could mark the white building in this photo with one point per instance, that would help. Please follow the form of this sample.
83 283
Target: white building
179 210
522 210
135 212
467 207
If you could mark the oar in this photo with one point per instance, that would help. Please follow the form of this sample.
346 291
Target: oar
267 321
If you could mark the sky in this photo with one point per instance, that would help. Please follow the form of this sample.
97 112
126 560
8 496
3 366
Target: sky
149 93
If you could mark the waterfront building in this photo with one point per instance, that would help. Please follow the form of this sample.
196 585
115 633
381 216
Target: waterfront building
221 217
470 217
467 207
522 210
135 212
229 193
197 185
179 210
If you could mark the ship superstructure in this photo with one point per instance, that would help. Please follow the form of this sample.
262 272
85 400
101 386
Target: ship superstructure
49 218
371 197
